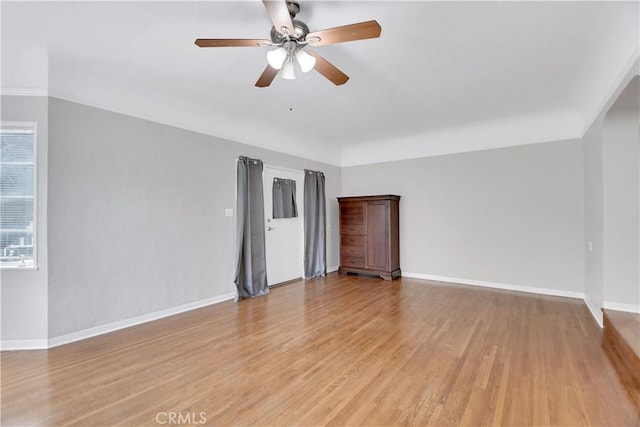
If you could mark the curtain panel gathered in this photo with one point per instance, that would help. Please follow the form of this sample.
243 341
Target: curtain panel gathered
315 224
251 266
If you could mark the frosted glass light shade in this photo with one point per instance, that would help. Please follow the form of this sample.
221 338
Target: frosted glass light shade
276 57
288 72
306 61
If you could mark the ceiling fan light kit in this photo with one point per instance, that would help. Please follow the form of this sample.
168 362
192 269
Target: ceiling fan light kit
276 57
306 61
288 71
292 36
280 57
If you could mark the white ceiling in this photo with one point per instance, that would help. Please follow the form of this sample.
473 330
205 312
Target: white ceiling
443 77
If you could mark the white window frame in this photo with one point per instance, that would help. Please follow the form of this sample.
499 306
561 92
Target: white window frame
11 126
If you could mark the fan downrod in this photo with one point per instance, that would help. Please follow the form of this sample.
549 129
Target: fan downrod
294 7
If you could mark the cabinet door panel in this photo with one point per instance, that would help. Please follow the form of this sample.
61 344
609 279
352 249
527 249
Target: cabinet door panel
377 236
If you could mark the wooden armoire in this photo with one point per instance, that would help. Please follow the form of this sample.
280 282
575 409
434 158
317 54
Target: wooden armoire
370 235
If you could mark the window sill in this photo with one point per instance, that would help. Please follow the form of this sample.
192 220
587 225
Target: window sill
30 268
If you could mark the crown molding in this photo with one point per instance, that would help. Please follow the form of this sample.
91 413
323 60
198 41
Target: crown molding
23 91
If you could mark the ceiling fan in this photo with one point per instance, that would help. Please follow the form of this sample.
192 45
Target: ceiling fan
290 36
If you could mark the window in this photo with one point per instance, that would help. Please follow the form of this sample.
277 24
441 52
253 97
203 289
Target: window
284 198
17 196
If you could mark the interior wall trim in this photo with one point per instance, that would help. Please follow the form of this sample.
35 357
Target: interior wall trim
597 314
11 345
620 306
122 324
495 285
6 345
23 91
332 269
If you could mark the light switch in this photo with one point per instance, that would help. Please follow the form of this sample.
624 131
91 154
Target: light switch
228 212
590 246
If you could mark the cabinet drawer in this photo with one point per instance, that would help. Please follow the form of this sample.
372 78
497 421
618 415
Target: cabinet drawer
349 261
351 251
352 229
352 240
352 219
352 208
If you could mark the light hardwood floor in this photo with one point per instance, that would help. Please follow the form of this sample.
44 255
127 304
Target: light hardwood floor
344 350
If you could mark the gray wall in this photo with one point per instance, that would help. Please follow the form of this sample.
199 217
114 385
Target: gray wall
621 201
612 199
24 292
511 215
137 215
594 213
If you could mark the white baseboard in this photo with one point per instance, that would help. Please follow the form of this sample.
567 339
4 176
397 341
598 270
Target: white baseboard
122 324
332 269
505 286
595 312
10 345
620 306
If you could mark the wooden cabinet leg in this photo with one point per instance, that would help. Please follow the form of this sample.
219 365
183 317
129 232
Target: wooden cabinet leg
387 277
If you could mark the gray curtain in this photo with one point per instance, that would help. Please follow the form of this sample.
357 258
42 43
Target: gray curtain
284 198
315 223
251 266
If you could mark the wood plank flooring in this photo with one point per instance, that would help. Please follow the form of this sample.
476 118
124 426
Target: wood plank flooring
628 326
621 342
343 350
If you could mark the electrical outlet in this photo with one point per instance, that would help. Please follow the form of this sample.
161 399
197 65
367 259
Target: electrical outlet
228 212
590 246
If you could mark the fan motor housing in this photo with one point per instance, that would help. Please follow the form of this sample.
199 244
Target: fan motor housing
300 32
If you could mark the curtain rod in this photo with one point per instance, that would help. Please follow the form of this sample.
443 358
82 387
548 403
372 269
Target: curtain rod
255 161
281 168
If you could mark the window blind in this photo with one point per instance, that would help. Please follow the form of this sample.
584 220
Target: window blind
17 197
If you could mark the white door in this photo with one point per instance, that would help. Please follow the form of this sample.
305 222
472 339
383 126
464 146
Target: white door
284 236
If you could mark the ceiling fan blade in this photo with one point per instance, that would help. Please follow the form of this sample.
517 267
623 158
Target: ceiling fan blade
232 42
328 70
346 33
267 76
279 15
